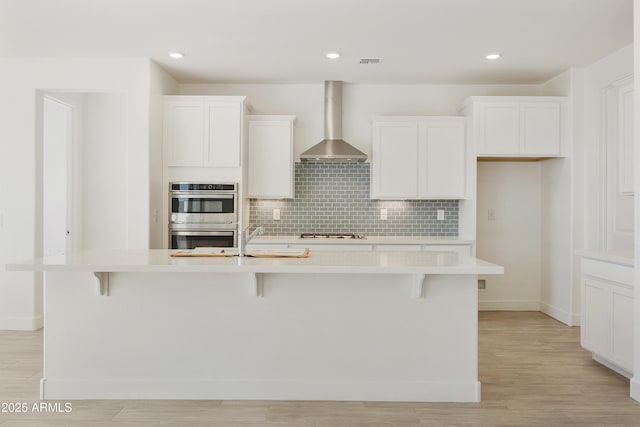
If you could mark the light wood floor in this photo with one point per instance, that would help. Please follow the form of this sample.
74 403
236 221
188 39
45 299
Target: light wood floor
532 368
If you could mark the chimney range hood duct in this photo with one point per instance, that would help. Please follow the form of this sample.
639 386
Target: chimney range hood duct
333 148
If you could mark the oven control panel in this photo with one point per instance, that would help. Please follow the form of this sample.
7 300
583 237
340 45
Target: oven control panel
189 186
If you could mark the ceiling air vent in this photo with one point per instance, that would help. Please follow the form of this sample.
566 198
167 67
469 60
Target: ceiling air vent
370 61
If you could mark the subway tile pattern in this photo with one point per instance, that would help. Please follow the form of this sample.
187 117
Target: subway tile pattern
334 198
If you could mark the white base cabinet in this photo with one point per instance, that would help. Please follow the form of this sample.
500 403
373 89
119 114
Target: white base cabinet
517 126
271 157
462 248
203 131
418 158
607 309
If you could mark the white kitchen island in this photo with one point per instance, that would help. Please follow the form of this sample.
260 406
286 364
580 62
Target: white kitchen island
376 326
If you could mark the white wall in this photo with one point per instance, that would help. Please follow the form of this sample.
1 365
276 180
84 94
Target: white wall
161 83
21 161
512 239
635 381
556 288
104 183
598 78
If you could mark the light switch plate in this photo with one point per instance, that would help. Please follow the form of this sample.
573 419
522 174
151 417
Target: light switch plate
440 214
383 214
276 214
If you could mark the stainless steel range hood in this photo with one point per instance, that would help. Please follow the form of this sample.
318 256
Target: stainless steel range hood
333 148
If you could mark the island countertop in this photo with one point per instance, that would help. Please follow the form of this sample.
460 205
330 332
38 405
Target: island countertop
352 326
158 260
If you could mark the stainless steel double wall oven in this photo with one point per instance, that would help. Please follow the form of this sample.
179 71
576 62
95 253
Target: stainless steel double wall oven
203 215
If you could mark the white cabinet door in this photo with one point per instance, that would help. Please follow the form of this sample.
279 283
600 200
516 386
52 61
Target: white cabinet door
595 325
460 249
607 312
517 126
441 159
203 131
539 128
394 160
223 133
622 327
418 158
184 133
271 157
625 139
499 129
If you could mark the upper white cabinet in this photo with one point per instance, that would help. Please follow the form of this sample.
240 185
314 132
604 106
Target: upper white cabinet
271 157
517 126
203 131
418 158
394 159
441 172
498 128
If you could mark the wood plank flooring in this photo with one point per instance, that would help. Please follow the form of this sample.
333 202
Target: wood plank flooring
532 368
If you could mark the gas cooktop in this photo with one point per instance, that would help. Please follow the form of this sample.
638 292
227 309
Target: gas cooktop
331 236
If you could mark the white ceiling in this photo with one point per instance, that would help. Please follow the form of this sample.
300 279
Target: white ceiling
284 41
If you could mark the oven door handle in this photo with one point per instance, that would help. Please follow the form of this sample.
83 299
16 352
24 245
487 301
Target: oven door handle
202 196
202 233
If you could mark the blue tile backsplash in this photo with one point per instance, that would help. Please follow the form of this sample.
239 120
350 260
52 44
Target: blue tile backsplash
334 198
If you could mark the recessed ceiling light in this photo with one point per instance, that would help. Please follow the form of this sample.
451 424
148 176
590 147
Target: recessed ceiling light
492 56
176 55
333 55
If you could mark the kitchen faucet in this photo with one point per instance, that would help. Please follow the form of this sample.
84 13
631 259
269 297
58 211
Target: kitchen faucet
242 241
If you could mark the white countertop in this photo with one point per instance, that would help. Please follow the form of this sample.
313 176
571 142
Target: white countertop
621 258
373 240
383 262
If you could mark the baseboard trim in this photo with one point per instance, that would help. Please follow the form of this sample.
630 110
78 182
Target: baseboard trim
556 313
21 323
635 388
611 365
509 305
576 320
387 391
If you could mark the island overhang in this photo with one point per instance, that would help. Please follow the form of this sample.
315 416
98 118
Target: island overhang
385 326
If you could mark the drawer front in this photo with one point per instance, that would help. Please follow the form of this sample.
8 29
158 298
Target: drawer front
461 249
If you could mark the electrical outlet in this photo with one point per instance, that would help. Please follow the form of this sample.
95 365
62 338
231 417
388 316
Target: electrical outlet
491 214
383 214
276 214
440 214
482 284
